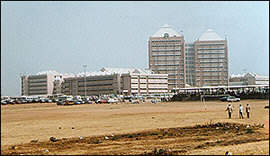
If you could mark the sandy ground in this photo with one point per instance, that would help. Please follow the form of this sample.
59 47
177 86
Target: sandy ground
23 123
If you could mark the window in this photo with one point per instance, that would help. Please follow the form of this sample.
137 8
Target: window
166 35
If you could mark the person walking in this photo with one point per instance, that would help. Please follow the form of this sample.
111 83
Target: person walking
229 109
241 112
247 110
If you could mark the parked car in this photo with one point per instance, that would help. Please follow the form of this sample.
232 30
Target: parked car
29 100
42 100
48 100
77 102
223 98
113 100
10 101
23 101
35 100
88 102
101 101
17 101
60 102
55 100
233 99
3 102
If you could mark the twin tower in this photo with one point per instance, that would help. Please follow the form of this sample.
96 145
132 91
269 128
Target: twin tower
201 63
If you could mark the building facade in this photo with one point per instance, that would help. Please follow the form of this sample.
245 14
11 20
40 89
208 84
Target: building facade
201 63
167 55
248 79
144 84
211 60
41 83
116 81
91 85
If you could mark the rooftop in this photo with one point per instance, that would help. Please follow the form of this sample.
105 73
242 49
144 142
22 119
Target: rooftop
110 71
166 29
250 75
48 72
210 35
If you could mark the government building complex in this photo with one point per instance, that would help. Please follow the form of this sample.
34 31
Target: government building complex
173 64
201 63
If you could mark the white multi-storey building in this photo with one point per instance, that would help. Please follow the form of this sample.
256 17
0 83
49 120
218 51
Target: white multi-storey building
128 81
42 83
38 84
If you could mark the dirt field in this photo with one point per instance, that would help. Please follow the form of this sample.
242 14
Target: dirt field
22 123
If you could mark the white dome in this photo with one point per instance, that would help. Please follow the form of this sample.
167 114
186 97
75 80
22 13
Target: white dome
166 29
210 35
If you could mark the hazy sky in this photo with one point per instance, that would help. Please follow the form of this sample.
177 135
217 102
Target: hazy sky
62 36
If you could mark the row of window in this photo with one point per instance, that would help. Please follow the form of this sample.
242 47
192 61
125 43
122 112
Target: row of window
101 79
149 83
167 50
211 49
157 55
173 79
101 89
91 85
211 70
39 85
212 53
155 41
167 60
37 77
215 80
211 57
167 69
149 89
220 66
166 45
36 93
211 44
209 62
41 81
168 65
152 78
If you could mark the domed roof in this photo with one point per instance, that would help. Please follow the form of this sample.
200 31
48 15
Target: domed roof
210 35
166 29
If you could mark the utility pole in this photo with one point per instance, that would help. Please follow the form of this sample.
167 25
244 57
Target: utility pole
84 66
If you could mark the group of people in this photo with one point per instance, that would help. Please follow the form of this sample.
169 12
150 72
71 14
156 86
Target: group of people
241 110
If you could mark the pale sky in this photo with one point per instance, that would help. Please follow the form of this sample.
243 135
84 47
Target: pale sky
62 36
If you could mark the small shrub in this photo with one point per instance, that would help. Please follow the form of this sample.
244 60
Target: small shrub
154 133
249 130
97 141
